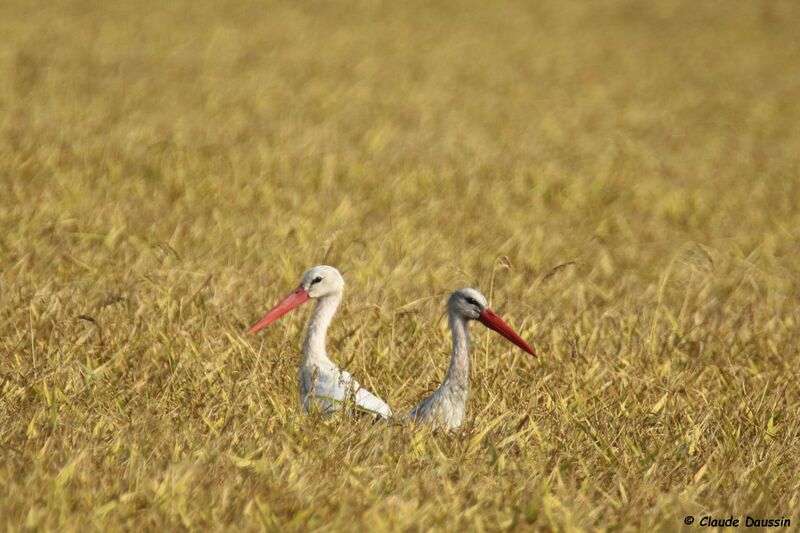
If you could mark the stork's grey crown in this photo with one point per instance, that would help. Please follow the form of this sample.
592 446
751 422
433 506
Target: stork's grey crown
467 302
322 280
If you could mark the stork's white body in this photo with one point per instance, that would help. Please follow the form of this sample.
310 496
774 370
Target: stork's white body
324 387
448 405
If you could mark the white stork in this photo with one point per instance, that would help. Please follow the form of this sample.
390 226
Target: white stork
323 386
448 404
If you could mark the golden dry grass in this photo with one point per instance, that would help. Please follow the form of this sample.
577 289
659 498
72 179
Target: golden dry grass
621 177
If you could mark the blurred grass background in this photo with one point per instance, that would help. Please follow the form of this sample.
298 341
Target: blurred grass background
621 178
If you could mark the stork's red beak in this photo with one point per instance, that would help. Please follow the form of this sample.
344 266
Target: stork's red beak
490 319
293 301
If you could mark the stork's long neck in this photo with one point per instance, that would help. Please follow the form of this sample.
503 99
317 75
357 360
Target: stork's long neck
314 345
457 378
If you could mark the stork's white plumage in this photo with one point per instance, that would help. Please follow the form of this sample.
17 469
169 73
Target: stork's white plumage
447 406
323 386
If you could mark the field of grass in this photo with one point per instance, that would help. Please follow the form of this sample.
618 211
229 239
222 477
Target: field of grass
620 178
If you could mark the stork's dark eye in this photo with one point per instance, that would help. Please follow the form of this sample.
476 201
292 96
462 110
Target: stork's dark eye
316 280
473 301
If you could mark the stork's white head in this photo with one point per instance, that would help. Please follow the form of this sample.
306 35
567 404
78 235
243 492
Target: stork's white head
472 305
322 280
468 303
317 282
